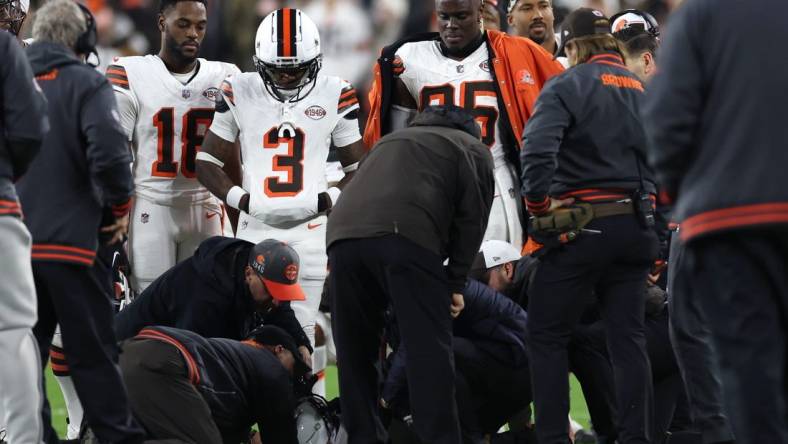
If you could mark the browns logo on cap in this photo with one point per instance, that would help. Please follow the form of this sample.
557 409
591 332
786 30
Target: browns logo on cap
277 265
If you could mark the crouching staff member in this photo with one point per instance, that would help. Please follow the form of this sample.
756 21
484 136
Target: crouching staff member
185 388
225 290
583 144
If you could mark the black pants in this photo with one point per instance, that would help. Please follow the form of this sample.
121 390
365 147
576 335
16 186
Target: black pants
367 274
488 392
613 266
695 353
589 361
161 395
75 297
741 280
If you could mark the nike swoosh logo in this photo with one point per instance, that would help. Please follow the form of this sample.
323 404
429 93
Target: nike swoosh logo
312 226
211 215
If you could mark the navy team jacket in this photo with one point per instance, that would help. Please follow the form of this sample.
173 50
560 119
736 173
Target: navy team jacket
83 167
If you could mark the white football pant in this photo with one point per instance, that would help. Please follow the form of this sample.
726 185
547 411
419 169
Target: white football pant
160 236
504 222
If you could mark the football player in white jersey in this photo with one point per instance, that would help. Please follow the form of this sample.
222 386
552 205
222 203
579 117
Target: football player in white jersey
166 104
285 115
494 76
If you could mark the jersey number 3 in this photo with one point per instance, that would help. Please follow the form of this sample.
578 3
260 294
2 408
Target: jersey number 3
191 140
292 163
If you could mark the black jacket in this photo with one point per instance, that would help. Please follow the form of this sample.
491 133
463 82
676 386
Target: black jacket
84 164
23 120
586 135
715 116
206 294
431 184
490 320
242 384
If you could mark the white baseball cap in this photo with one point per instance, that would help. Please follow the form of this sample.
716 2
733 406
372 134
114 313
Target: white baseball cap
494 253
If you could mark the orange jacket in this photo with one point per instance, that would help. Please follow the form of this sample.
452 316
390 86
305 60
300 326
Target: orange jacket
520 66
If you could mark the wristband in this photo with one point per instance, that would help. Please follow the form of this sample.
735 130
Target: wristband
350 168
234 196
205 157
334 193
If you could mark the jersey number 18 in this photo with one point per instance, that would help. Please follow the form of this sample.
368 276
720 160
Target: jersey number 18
191 140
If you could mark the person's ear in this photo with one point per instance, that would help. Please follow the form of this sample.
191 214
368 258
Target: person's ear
510 19
648 62
161 22
509 270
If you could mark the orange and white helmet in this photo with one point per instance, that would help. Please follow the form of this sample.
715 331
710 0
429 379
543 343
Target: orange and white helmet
287 47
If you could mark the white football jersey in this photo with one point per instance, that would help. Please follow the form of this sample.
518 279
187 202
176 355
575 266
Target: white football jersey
169 125
434 79
284 146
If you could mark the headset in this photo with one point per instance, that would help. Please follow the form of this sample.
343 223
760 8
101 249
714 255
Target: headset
651 27
86 43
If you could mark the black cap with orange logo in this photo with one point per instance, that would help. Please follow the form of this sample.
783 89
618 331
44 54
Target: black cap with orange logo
277 264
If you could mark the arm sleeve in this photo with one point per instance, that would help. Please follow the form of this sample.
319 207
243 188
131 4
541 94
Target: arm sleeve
23 110
674 101
541 140
472 209
128 109
108 151
284 317
346 132
224 124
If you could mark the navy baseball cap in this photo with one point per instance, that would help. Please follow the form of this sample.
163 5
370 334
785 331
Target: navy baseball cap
277 265
583 22
273 335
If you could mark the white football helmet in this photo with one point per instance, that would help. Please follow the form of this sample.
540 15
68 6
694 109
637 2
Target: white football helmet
287 54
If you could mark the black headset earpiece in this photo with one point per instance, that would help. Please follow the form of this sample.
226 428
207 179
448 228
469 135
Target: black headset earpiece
86 43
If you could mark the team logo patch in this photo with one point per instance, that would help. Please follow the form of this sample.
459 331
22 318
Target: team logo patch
485 66
244 224
291 272
212 94
315 112
144 218
259 264
524 76
186 93
460 69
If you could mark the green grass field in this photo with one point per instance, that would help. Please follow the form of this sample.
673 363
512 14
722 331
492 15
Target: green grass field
579 410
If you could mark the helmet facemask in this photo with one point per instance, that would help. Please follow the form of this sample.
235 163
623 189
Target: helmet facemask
12 15
306 73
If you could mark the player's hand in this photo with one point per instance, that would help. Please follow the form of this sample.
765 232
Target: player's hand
457 304
305 355
118 230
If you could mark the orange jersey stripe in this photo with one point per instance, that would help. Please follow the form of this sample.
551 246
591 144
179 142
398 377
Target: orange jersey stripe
62 257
